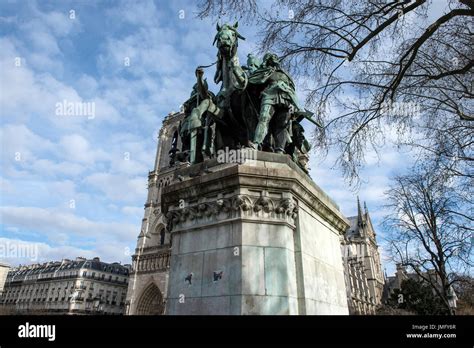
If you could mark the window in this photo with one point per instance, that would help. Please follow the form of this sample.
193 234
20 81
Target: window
84 274
162 237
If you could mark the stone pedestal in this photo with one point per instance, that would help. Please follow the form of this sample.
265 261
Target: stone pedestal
254 238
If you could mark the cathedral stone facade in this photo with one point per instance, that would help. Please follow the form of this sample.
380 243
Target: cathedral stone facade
363 270
151 260
147 292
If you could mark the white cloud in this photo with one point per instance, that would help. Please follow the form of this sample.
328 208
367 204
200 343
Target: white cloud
59 23
19 143
16 251
149 50
77 149
47 167
133 211
30 94
44 42
6 187
140 13
118 187
21 148
87 86
50 222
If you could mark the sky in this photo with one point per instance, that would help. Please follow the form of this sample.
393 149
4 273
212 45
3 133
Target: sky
75 185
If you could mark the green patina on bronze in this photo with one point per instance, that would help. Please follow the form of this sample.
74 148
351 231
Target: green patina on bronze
256 107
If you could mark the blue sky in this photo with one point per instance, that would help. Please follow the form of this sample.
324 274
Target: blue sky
75 185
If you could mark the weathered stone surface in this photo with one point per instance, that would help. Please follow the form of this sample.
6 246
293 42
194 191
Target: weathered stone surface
266 235
280 275
185 265
253 270
259 238
221 273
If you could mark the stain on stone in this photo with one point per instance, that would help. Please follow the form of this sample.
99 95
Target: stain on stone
189 278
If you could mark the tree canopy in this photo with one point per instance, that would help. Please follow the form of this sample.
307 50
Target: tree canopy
376 70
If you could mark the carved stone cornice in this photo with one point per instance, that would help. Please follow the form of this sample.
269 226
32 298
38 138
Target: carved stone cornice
270 172
231 207
152 254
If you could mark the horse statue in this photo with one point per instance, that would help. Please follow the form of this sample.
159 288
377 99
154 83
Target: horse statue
227 110
231 98
255 107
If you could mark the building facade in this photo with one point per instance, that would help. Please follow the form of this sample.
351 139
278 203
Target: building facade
363 270
4 268
77 286
150 262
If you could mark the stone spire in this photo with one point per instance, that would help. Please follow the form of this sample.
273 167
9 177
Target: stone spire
360 219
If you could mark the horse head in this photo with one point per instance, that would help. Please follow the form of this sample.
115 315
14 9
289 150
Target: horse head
227 39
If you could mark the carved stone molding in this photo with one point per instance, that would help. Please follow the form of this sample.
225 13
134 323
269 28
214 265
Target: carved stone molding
287 206
151 262
236 206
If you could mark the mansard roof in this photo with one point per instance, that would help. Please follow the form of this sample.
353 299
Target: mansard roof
79 263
